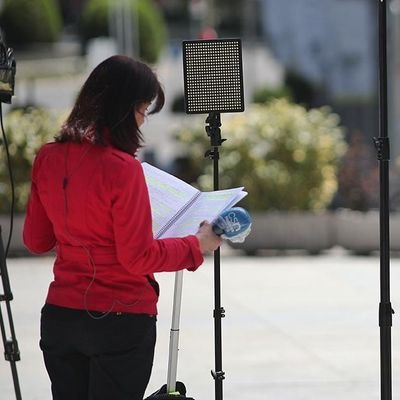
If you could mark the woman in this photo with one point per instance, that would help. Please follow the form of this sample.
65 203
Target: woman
89 201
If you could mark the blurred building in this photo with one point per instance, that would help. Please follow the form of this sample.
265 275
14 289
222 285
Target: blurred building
332 42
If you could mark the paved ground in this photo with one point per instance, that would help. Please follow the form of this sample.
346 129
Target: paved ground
296 327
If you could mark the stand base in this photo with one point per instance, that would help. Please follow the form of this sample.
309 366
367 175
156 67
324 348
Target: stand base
162 394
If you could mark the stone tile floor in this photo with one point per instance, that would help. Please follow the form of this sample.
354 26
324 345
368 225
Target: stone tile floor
297 327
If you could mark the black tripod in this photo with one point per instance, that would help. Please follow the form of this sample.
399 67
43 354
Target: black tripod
11 351
214 132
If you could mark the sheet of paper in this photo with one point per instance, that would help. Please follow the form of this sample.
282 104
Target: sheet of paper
168 195
206 208
178 208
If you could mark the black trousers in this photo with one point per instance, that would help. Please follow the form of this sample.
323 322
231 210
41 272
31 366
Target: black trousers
108 358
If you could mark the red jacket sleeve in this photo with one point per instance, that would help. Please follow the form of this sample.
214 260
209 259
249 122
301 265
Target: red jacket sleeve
38 233
136 247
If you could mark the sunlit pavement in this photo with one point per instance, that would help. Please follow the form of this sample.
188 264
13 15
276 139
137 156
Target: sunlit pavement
296 327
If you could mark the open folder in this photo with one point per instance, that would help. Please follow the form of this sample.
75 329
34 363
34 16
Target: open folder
178 208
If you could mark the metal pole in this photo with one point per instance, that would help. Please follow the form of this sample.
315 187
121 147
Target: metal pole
174 334
382 145
214 132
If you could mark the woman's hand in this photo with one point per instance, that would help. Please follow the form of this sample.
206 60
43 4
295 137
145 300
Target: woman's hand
208 240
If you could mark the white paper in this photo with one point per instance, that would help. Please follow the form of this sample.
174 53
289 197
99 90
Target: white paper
178 208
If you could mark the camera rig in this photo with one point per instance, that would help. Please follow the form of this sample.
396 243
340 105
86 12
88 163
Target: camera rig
11 351
7 73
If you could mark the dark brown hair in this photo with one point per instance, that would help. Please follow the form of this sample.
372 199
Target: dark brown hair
105 106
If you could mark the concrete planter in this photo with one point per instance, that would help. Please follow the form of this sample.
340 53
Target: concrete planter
355 231
313 232
359 232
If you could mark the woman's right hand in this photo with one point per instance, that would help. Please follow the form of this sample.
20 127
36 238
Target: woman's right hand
208 240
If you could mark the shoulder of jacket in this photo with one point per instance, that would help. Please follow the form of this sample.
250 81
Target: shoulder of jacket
120 157
118 160
119 154
46 149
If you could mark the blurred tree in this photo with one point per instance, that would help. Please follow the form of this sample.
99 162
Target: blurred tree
24 24
152 29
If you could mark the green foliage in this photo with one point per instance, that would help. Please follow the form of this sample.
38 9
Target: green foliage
152 31
94 19
26 130
152 27
25 23
267 94
284 155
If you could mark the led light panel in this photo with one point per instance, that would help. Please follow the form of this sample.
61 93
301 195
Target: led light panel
213 76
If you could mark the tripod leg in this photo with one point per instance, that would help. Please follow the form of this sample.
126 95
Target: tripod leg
11 351
219 313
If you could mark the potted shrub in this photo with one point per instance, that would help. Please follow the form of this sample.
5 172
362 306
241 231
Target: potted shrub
151 25
287 158
26 130
25 23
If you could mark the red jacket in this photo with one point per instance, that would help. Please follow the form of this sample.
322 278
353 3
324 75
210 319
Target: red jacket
91 203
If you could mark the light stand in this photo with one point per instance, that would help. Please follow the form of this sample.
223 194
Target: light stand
214 132
383 155
11 351
213 81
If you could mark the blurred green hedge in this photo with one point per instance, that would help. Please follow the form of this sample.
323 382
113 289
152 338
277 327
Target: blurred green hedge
152 27
25 22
